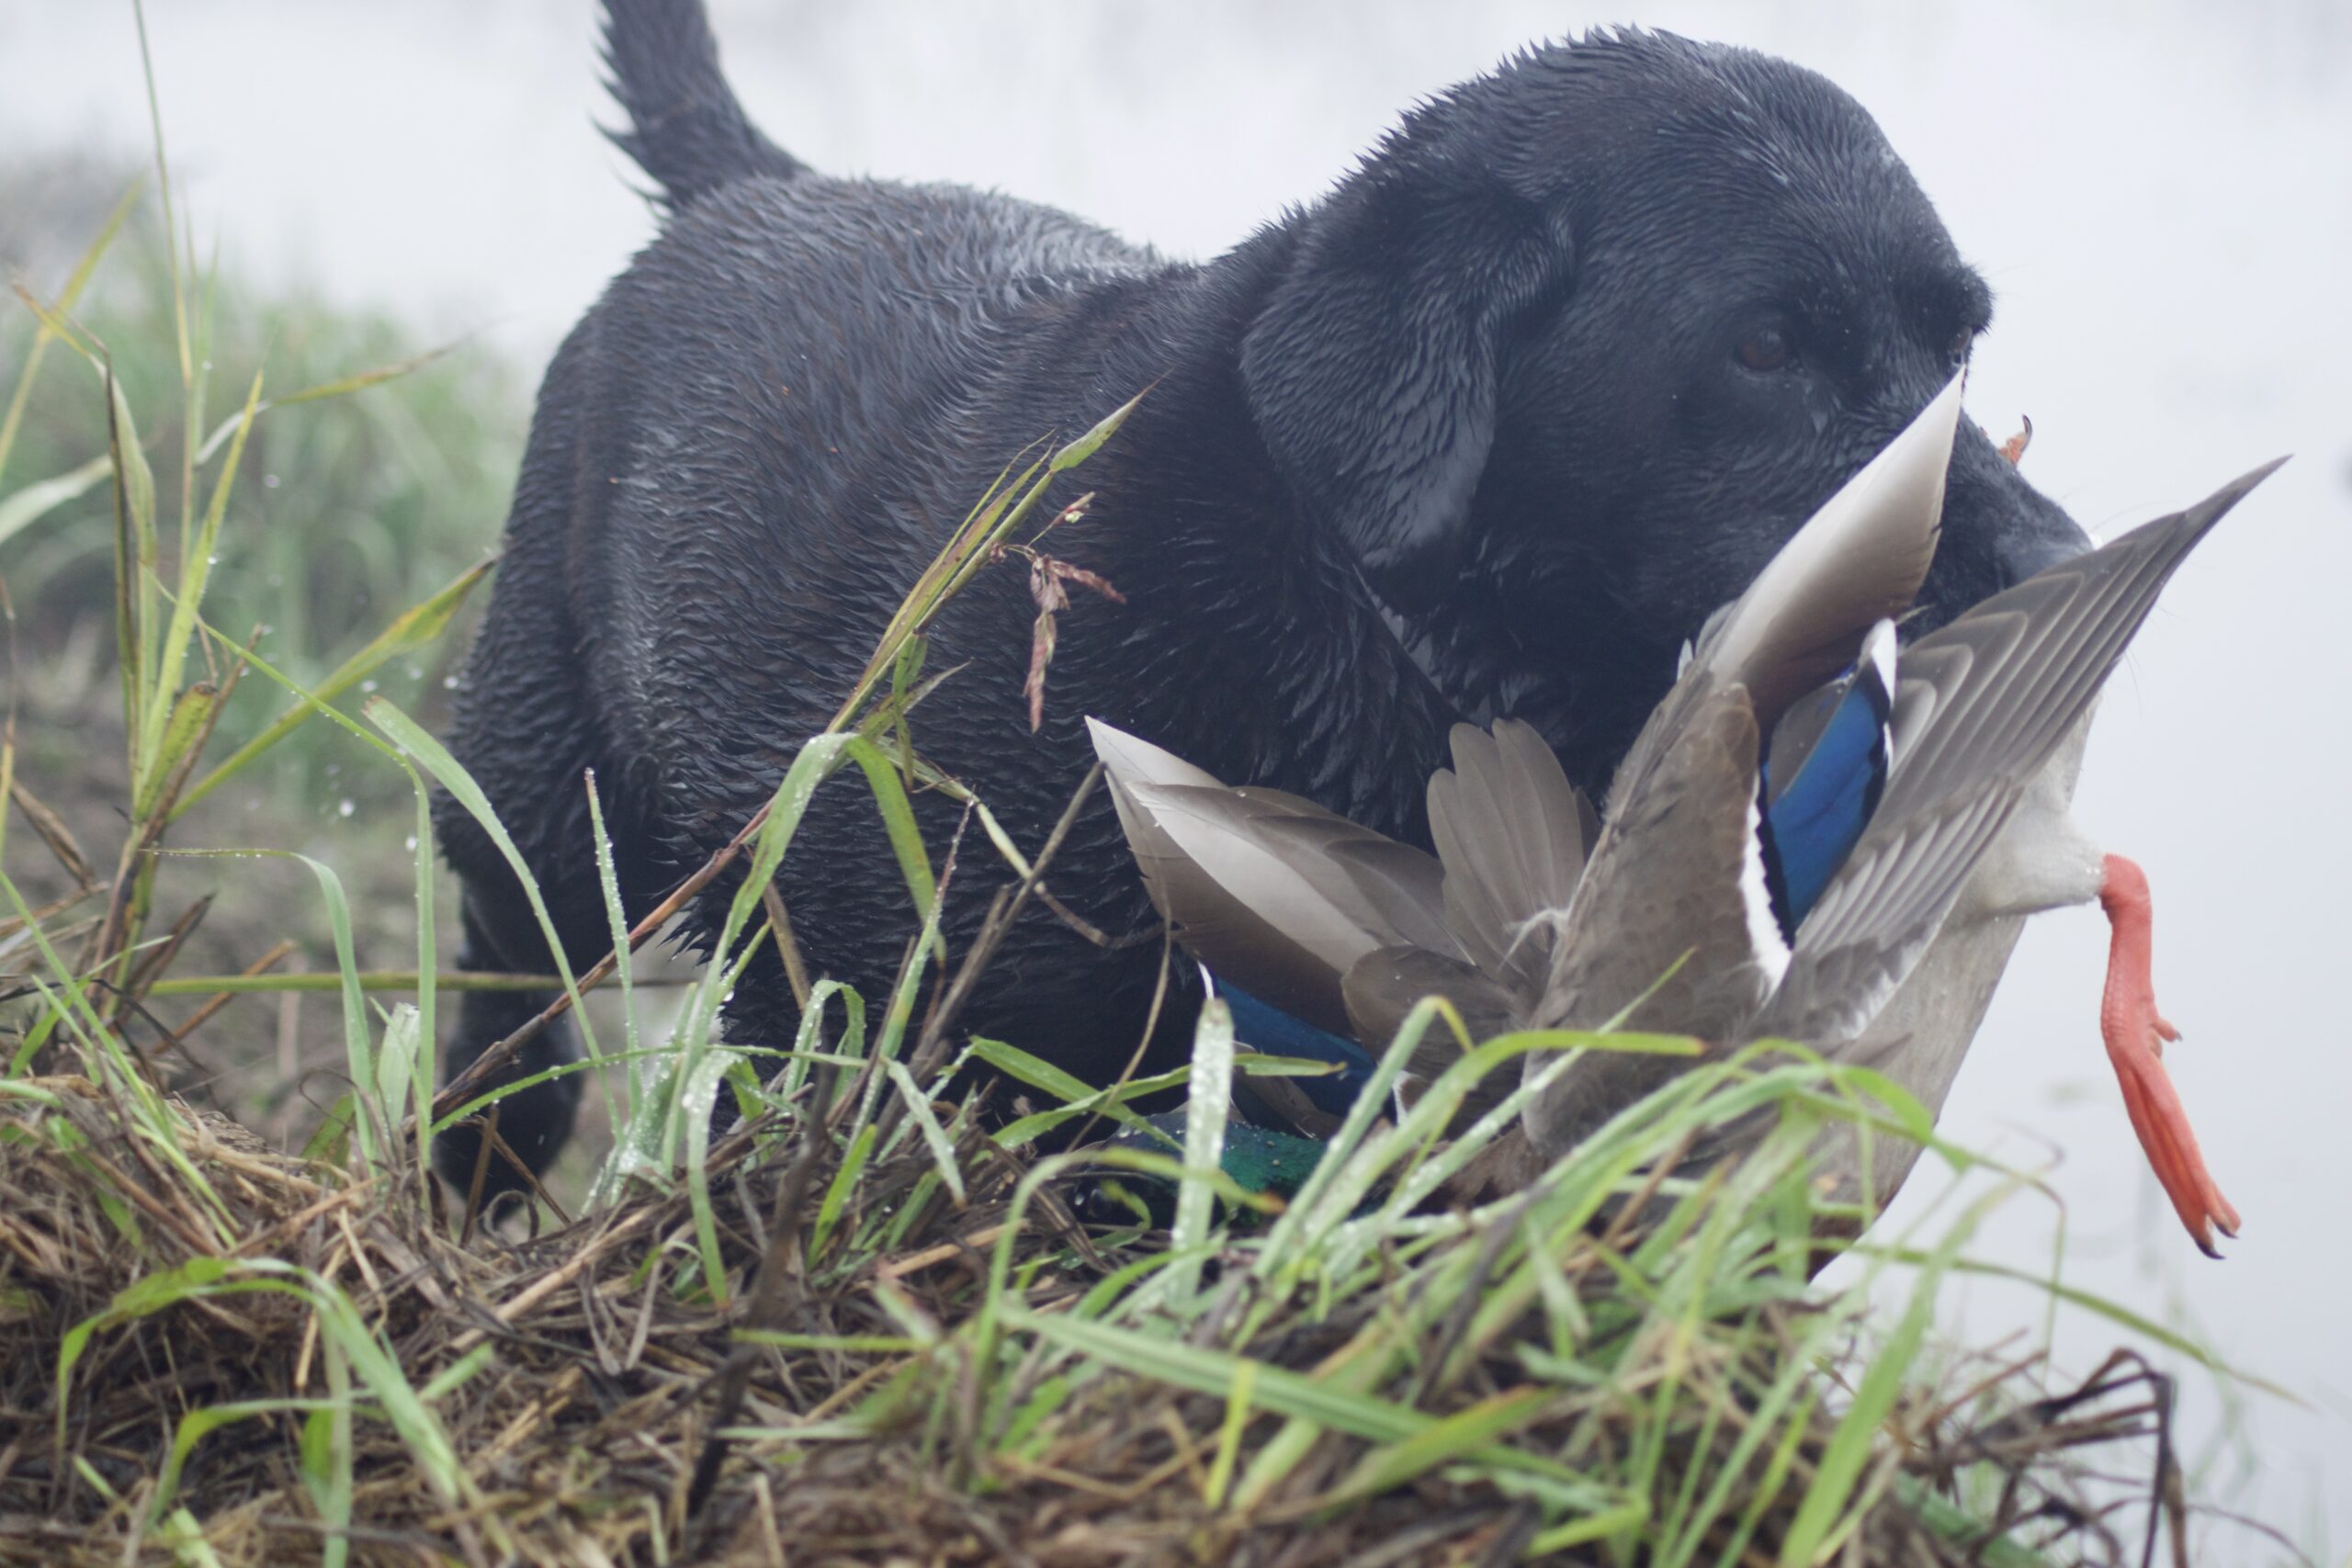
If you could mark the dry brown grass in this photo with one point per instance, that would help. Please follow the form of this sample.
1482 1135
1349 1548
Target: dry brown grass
595 1387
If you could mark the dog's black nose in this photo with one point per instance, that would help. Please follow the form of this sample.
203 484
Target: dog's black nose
1997 530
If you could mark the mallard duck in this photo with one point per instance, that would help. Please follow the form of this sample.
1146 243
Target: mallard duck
1816 837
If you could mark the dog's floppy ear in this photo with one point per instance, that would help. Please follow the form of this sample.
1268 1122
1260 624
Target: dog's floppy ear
1370 372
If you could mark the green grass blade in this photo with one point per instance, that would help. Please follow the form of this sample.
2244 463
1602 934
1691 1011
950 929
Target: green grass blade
343 386
412 629
1281 1391
184 723
622 1107
1450 1438
837 1192
818 760
36 500
62 306
934 1137
906 840
134 492
1205 1109
359 1047
197 1425
1840 1466
1071 455
196 572
1040 1074
164 187
426 1068
1112 1102
435 759
697 1094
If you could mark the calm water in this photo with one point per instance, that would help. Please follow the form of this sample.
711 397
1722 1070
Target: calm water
2162 196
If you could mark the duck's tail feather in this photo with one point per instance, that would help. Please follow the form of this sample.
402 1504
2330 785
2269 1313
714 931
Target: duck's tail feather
1512 834
1982 705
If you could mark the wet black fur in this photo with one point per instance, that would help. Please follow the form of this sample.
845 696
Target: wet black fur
1489 383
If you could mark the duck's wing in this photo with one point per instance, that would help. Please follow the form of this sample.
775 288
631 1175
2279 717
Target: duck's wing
1273 893
1286 900
1674 910
1672 930
1981 707
1385 984
1678 870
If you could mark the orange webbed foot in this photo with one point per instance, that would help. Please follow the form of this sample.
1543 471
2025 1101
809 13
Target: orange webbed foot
2135 1033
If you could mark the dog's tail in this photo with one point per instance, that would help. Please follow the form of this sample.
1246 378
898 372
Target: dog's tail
685 128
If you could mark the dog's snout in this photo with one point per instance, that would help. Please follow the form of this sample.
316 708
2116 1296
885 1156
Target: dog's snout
2030 552
1996 521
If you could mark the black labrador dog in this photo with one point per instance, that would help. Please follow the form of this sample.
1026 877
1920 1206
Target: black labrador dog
1489 429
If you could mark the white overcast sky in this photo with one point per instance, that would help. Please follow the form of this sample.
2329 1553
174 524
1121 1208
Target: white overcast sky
2160 193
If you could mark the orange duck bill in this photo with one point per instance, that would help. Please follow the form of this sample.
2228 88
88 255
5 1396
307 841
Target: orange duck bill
2136 1034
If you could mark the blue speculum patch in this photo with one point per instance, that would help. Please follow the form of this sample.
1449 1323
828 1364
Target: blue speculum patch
1812 826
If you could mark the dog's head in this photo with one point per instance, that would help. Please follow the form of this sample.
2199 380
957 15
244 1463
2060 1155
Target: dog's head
1575 351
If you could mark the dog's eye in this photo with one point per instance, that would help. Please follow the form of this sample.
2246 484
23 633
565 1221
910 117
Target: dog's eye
1766 348
1962 340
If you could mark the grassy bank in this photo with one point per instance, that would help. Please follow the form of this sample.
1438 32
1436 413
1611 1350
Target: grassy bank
862 1322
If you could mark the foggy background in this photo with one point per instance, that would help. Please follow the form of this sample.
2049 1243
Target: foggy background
2160 194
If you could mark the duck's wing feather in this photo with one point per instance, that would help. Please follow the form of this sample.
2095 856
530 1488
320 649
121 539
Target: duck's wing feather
1512 834
1981 707
1384 985
1346 930
1672 930
1388 983
1858 560
1272 893
1678 878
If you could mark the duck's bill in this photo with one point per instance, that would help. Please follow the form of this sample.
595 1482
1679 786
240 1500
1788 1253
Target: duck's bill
2136 1034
